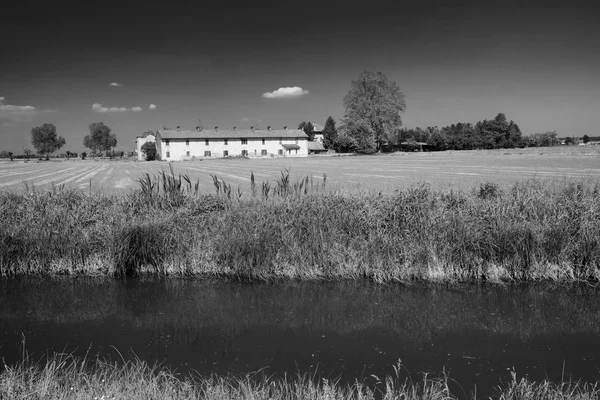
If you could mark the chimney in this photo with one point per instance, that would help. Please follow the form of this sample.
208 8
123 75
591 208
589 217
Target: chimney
269 127
252 128
216 128
234 128
178 128
285 128
197 129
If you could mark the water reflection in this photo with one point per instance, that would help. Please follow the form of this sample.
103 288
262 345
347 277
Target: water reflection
347 329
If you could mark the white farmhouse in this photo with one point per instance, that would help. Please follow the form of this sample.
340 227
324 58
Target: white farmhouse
139 142
173 145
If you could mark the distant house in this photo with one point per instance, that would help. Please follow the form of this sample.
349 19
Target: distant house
172 145
139 142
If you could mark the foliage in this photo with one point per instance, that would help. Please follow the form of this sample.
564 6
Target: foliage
27 152
329 133
586 139
83 155
45 140
344 144
100 138
308 128
373 109
541 139
149 149
4 154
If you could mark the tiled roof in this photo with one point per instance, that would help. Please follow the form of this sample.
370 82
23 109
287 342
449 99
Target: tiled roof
230 134
316 146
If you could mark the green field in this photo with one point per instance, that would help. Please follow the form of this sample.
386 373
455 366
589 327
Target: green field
452 169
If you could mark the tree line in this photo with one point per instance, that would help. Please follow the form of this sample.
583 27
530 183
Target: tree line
372 123
46 141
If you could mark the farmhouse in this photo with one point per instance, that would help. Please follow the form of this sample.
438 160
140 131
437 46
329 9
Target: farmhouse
140 141
179 144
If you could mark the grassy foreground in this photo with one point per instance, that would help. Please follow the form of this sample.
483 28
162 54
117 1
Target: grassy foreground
67 377
533 230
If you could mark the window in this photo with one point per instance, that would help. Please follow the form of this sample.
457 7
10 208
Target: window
187 153
245 153
263 141
166 142
296 141
280 152
187 143
206 142
207 153
280 141
244 141
168 154
225 153
296 151
263 152
226 142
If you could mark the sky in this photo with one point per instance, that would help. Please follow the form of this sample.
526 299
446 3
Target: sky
142 65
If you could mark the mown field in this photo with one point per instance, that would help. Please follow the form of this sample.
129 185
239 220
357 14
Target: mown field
464 169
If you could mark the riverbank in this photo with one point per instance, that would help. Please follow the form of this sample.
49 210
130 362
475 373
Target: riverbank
67 377
531 231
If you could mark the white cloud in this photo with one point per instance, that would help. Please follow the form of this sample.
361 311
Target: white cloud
136 109
285 92
98 108
152 107
116 84
17 113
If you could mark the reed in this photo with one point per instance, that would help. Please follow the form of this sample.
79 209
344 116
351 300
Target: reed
303 229
64 376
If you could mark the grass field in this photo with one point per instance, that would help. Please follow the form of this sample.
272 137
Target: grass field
66 377
464 169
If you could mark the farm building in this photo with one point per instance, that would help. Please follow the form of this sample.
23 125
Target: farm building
140 141
179 144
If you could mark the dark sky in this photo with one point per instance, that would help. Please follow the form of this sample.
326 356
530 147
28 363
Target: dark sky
537 62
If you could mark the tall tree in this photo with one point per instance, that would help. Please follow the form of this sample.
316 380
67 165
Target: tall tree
329 133
586 139
373 108
308 128
100 138
45 140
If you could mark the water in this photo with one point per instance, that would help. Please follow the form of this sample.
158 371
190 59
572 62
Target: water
478 334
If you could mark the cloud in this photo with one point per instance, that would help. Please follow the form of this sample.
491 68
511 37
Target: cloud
17 113
116 84
245 119
136 109
285 92
98 108
152 107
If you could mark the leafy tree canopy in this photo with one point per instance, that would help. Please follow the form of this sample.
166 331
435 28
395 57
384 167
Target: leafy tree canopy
373 109
100 138
149 149
308 128
45 140
586 139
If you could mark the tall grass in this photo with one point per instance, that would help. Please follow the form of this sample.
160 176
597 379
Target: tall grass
63 376
302 229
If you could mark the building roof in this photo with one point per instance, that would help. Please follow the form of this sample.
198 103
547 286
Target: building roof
316 146
231 134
